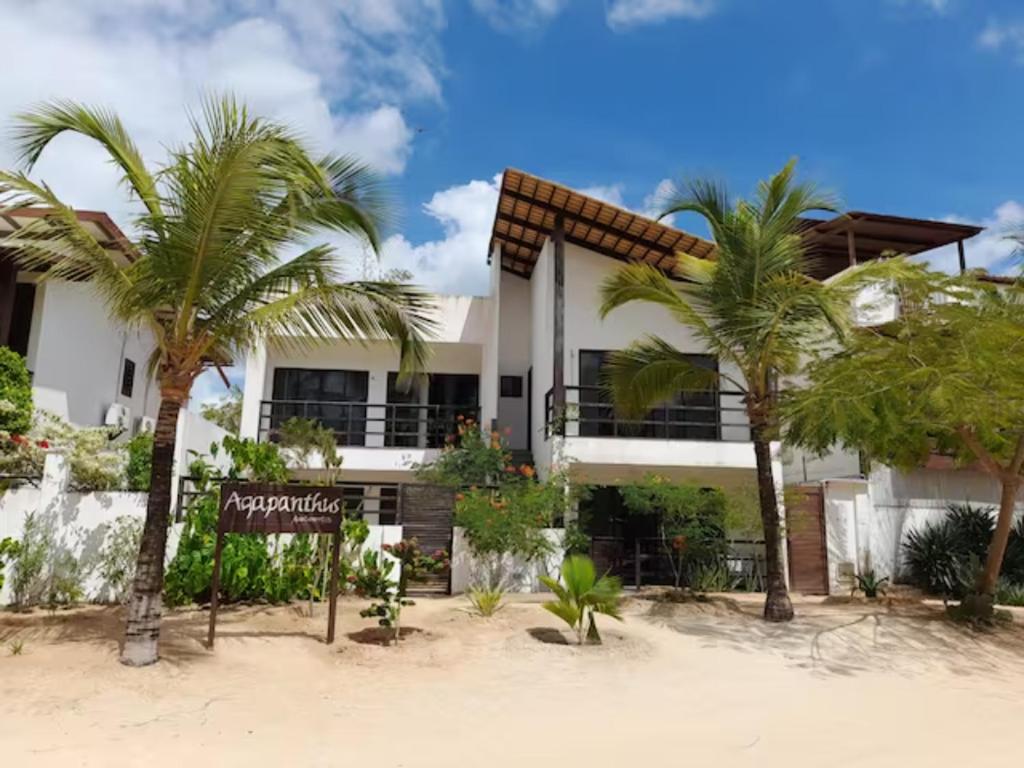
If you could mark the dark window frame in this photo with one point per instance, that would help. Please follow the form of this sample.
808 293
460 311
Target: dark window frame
127 377
511 387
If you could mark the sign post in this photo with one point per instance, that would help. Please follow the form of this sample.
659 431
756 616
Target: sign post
278 508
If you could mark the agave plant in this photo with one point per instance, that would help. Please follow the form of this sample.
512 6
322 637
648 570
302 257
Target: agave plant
582 595
871 584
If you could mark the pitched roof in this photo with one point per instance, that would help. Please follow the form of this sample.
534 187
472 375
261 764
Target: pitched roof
528 207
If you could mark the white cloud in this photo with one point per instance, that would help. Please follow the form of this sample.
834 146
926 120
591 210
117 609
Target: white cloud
625 14
338 70
1000 36
457 263
990 250
518 15
658 200
609 193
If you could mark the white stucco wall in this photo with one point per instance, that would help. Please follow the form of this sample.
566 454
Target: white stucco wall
522 576
514 344
75 349
868 520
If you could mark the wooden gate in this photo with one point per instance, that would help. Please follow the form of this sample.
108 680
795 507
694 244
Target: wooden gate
425 513
805 536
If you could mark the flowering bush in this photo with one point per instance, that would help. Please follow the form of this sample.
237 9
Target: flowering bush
15 393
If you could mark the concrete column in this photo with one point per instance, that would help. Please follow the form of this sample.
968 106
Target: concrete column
255 386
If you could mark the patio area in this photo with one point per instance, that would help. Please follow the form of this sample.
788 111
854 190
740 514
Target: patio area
697 684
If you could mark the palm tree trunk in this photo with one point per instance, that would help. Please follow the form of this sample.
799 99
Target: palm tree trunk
142 633
777 605
980 605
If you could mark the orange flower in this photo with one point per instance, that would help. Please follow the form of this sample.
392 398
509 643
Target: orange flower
460 497
527 470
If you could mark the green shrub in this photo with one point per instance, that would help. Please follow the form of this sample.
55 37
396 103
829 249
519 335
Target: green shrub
8 551
140 462
30 558
709 577
390 596
1008 593
119 555
581 595
486 602
15 393
943 557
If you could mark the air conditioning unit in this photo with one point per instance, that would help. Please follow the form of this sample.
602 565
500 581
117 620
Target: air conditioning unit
118 417
147 424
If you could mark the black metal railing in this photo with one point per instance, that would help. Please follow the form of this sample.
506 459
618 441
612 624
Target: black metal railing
369 425
715 415
648 560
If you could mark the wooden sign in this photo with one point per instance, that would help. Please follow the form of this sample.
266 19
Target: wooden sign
269 508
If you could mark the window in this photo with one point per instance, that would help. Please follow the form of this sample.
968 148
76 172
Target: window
128 378
690 415
335 398
511 386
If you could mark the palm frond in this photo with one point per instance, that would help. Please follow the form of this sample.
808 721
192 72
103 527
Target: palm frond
36 128
650 371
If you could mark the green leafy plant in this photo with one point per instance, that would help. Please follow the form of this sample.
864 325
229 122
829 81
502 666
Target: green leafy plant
140 462
486 602
691 520
306 439
15 393
8 551
575 540
226 413
29 560
116 563
1008 593
16 647
710 577
389 595
581 595
871 584
944 557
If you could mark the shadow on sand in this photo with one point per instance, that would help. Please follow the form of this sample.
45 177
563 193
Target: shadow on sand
850 639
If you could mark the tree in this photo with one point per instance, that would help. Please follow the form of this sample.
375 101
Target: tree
226 413
15 393
753 306
944 377
204 275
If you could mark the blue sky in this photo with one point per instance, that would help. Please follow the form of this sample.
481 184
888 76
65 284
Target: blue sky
901 106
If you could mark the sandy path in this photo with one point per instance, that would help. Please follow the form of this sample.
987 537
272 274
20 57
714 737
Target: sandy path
682 685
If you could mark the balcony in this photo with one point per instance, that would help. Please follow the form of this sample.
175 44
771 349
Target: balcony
369 425
709 416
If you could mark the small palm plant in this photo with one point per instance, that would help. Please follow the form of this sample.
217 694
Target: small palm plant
871 584
582 596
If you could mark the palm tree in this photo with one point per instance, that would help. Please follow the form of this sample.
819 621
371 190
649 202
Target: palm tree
753 306
205 275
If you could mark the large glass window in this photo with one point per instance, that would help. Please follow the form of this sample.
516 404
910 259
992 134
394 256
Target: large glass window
335 398
690 415
415 421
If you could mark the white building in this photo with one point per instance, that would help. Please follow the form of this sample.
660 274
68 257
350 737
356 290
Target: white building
526 357
81 361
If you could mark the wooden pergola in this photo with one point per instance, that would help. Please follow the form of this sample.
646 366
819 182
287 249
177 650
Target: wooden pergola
531 209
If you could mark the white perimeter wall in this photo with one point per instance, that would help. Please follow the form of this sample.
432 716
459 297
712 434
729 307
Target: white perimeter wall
522 576
870 519
76 355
